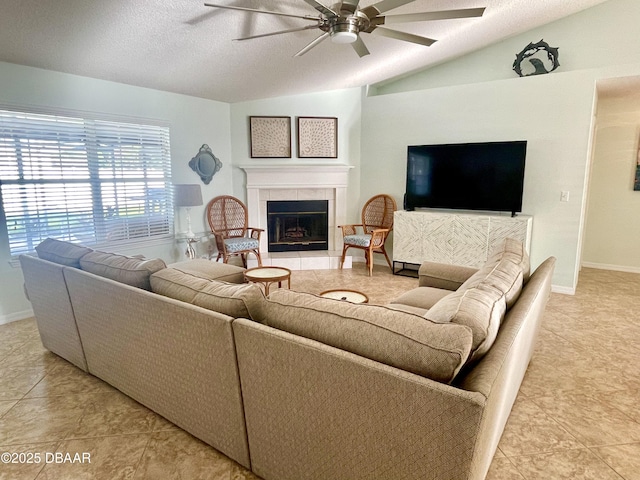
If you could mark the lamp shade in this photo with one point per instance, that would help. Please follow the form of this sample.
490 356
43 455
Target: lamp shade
187 195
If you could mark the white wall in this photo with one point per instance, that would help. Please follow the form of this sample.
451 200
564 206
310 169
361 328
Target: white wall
551 112
193 121
604 35
612 226
343 104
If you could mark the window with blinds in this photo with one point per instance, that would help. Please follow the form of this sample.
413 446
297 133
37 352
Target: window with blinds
83 180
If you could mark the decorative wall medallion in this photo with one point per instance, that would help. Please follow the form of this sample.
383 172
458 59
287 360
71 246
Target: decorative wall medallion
541 58
270 137
205 164
317 137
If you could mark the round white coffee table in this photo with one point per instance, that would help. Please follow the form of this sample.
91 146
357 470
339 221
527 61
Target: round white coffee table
347 295
268 276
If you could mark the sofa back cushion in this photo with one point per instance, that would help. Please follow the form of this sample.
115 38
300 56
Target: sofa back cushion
482 301
235 300
514 251
61 252
506 270
133 271
400 339
481 309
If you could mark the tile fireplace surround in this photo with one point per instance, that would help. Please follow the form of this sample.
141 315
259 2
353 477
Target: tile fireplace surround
299 182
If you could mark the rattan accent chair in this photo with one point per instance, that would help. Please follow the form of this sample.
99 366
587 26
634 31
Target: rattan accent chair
371 234
228 220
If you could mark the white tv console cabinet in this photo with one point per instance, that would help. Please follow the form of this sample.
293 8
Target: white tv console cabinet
453 238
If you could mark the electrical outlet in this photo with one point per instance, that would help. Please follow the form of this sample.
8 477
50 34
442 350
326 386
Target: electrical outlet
564 196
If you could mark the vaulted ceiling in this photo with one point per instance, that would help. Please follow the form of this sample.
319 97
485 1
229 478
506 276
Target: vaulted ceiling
185 47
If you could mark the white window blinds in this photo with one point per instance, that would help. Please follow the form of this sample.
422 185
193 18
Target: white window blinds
85 180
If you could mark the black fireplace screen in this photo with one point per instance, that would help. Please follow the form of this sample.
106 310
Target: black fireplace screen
296 225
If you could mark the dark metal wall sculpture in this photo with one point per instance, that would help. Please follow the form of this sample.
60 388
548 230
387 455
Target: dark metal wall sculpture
536 62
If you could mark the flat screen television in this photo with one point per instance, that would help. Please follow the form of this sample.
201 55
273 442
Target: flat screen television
466 176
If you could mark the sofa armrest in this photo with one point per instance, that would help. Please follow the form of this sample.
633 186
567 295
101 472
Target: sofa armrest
441 275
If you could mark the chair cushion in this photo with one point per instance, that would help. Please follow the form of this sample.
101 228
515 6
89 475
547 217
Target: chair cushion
208 270
238 244
358 240
134 271
228 298
61 252
400 339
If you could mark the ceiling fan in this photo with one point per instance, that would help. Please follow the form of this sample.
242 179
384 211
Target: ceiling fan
344 22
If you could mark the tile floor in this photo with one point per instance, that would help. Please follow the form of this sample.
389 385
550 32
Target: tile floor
577 416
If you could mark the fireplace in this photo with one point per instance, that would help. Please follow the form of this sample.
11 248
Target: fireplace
297 225
267 183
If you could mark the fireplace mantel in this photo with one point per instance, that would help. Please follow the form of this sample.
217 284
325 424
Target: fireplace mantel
297 176
298 182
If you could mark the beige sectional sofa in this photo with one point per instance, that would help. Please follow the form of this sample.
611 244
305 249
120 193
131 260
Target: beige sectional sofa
297 386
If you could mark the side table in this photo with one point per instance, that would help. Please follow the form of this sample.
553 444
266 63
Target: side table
268 276
190 240
347 295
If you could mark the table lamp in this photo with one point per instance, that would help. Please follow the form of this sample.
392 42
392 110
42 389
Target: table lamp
187 196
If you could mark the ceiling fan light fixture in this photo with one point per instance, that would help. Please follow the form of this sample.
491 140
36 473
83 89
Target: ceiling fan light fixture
345 29
344 37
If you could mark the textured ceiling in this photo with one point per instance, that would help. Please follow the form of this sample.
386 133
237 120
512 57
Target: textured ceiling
184 47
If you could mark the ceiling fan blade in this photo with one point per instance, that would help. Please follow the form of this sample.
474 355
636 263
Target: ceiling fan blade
407 37
349 5
323 9
322 37
360 48
253 10
308 27
427 16
384 6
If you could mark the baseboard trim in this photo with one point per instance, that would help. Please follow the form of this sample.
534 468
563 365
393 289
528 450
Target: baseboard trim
14 317
616 268
563 290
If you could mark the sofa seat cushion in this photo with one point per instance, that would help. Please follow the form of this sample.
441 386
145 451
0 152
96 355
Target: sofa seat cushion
235 300
134 271
422 297
481 308
444 276
208 270
238 244
61 252
403 340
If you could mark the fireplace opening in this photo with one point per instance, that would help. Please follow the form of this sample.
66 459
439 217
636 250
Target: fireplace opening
298 225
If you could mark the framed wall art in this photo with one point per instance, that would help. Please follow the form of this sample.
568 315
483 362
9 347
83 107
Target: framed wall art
270 137
317 137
